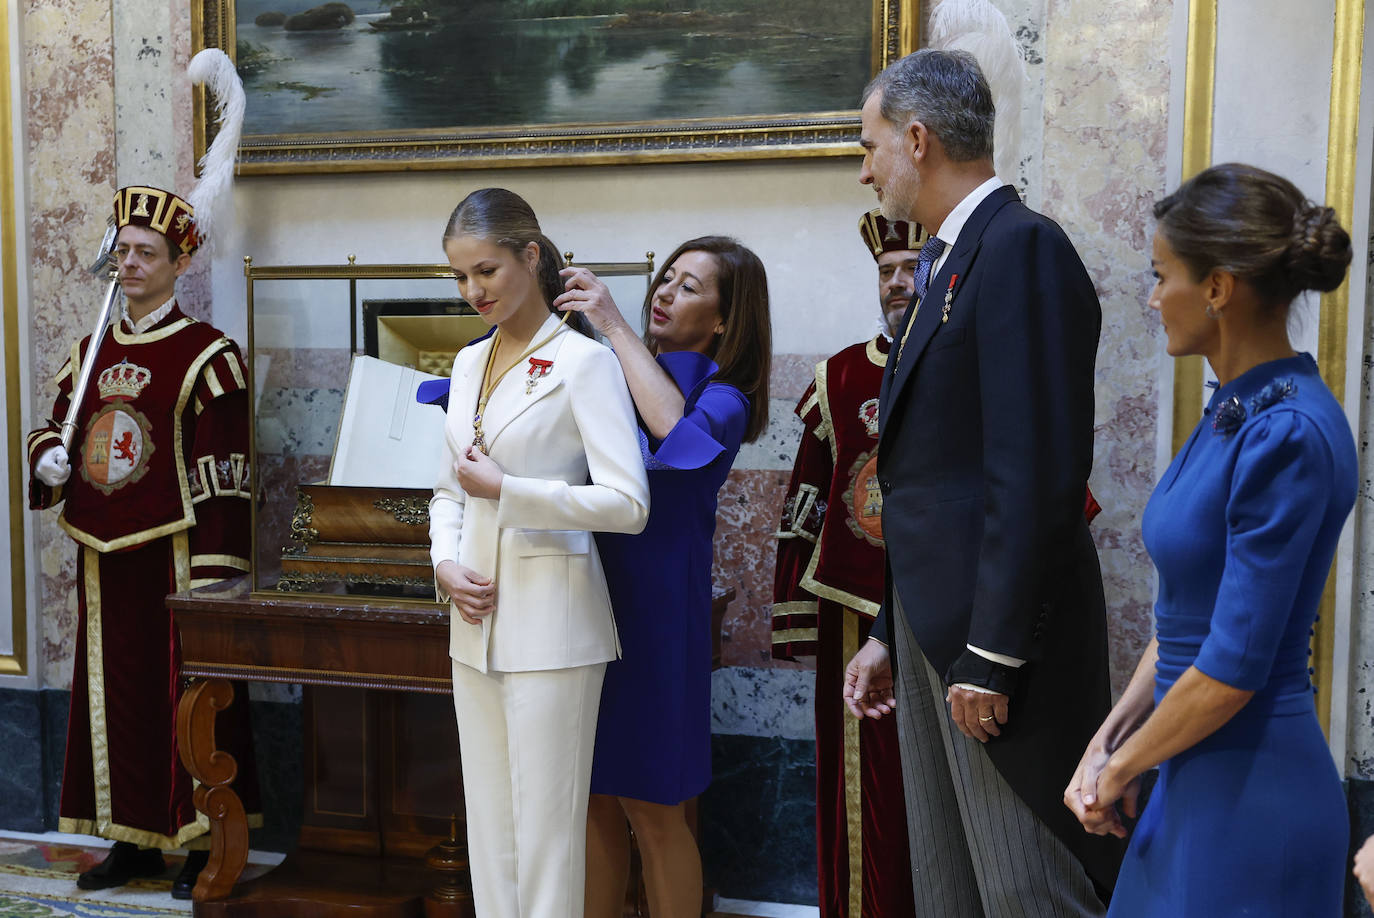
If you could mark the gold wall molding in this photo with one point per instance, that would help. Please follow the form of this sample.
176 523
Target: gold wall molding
17 663
1198 94
1334 313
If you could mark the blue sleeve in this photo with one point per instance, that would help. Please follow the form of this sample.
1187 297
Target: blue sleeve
1282 479
712 425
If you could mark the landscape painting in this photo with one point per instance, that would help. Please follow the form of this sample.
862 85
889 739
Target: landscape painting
449 83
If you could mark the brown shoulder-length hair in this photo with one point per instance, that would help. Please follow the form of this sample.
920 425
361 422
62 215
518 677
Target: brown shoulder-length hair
744 351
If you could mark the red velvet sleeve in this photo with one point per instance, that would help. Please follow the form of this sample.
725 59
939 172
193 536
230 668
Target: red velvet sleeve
218 470
794 609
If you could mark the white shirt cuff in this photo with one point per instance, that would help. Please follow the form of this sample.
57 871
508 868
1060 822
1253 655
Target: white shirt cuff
980 689
1002 658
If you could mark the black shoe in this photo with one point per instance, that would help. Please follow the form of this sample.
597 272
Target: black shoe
186 880
124 862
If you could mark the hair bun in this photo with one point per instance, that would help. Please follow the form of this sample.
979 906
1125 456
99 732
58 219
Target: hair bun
1319 251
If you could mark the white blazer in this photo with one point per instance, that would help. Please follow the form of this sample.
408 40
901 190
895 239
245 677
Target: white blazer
569 447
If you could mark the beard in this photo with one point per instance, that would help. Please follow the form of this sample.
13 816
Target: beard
892 315
899 191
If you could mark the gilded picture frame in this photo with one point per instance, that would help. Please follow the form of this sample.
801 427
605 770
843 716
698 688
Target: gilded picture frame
894 26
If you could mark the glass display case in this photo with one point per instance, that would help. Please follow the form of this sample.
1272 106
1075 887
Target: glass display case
344 457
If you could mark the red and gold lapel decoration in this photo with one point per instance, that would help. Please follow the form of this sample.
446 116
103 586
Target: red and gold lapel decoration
949 299
537 371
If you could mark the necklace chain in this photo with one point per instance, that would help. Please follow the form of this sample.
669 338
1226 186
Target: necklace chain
489 385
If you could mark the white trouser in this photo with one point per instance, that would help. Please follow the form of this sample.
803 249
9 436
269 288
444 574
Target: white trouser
526 743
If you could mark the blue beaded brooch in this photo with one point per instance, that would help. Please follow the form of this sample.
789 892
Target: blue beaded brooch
1228 416
1272 394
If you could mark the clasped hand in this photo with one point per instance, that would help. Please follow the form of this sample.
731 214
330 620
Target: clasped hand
478 474
473 596
1098 795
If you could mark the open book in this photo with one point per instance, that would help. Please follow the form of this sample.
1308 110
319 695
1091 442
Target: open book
386 439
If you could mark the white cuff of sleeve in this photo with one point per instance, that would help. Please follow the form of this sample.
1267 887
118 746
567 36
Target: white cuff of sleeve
1013 662
980 689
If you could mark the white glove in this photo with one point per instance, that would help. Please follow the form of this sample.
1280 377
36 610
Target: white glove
53 467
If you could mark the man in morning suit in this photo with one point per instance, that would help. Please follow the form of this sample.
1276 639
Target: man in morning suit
827 589
993 611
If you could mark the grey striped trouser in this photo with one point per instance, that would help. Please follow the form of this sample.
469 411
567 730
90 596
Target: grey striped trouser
977 850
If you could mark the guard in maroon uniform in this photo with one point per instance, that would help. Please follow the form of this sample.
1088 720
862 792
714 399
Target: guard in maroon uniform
155 491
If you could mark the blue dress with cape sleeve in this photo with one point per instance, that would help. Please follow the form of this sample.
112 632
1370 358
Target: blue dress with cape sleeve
653 738
1242 529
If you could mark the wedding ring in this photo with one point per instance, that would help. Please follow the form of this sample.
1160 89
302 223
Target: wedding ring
985 719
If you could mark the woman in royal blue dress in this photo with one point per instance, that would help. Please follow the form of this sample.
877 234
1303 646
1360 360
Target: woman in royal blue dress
1247 817
699 380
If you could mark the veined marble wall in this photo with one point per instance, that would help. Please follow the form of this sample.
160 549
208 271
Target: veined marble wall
1360 761
1106 116
68 78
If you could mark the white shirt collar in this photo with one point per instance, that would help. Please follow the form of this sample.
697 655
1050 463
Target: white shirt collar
151 319
954 224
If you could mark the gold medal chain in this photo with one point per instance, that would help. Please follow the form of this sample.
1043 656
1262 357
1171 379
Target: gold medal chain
488 387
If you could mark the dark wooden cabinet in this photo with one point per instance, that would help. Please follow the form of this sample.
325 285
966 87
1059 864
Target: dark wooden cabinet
382 780
382 832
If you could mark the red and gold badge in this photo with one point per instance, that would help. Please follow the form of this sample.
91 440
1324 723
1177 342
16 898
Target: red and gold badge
864 499
116 447
868 413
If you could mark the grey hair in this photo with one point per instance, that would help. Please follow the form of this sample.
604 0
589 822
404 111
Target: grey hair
947 92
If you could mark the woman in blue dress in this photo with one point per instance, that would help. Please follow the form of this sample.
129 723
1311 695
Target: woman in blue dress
699 380
1248 817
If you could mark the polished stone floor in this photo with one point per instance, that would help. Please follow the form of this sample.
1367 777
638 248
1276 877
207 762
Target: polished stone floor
38 880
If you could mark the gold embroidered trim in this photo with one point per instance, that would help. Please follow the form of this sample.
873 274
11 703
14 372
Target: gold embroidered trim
826 428
875 355
805 408
95 693
186 837
233 361
853 778
801 509
181 560
137 538
238 467
809 583
212 381
794 607
151 336
205 469
234 561
789 635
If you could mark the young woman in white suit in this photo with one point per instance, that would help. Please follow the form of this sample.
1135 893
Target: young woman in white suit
540 450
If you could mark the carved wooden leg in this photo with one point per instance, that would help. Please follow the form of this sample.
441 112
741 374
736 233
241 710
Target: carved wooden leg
215 769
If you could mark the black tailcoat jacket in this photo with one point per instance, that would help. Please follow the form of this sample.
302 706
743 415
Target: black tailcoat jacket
983 458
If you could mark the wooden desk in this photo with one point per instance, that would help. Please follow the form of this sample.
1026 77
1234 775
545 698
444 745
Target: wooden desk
382 784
